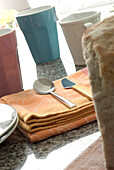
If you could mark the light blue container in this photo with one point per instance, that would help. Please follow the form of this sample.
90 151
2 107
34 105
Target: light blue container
40 30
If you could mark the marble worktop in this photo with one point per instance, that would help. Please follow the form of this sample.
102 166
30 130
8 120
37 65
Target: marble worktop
54 153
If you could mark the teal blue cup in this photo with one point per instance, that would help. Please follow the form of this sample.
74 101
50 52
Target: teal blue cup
40 30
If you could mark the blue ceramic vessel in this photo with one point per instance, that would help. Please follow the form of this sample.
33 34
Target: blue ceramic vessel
40 30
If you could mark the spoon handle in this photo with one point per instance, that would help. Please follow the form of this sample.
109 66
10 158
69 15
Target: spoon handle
63 100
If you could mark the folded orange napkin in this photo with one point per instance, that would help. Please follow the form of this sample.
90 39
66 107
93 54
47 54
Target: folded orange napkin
42 116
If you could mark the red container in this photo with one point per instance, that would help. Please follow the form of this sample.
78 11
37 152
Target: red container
10 73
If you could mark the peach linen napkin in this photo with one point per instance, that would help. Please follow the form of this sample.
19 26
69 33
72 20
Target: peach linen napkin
42 116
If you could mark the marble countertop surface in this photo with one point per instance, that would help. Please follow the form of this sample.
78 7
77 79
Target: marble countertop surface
54 153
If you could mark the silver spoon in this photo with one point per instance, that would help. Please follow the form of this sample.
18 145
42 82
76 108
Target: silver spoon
45 86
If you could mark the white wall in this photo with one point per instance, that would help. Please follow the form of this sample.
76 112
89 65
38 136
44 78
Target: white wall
64 6
14 4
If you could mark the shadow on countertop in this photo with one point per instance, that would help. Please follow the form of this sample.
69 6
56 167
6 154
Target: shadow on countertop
15 149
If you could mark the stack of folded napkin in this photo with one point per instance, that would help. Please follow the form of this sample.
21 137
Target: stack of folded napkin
42 116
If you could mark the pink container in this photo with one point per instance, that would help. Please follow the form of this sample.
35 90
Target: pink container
10 74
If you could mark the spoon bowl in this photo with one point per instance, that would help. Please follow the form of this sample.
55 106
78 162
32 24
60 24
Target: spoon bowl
45 86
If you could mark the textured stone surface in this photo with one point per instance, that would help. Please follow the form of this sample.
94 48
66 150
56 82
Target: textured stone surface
53 70
16 148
